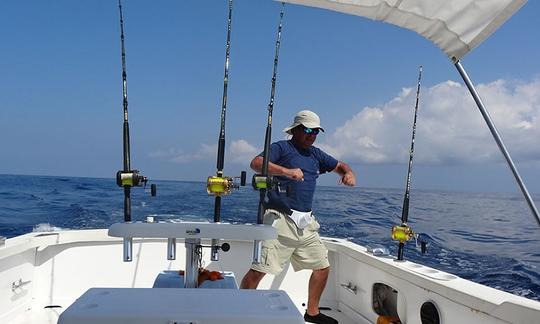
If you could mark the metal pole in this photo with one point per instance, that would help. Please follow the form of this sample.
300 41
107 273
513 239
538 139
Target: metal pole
191 275
171 249
498 139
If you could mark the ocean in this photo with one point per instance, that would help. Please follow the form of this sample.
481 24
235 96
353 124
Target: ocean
489 238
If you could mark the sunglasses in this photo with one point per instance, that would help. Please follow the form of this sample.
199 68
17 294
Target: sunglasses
311 131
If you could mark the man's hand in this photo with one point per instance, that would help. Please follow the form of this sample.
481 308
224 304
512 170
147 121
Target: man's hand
347 176
348 179
295 174
278 170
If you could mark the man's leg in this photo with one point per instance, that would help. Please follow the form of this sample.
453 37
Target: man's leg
317 282
251 279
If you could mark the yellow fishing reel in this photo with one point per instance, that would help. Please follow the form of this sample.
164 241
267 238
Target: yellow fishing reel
221 186
259 182
402 233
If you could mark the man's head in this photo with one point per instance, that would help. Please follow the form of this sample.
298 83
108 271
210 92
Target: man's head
305 128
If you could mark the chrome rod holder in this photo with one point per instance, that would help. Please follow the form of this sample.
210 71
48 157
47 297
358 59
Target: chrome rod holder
128 249
214 254
193 258
257 249
171 249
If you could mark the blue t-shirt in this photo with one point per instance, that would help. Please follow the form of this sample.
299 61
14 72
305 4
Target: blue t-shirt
312 161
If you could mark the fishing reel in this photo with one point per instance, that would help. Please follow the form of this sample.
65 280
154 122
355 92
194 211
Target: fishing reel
133 179
403 233
221 186
269 183
259 182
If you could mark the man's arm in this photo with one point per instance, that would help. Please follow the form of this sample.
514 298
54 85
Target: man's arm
277 170
347 176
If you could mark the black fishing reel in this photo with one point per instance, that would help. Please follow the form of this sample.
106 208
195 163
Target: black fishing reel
221 186
134 179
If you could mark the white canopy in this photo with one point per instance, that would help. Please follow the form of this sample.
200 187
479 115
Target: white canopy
455 26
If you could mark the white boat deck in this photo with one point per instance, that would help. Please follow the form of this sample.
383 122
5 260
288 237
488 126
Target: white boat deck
41 275
38 314
50 316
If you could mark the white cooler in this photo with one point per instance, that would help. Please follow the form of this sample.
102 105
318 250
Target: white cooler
181 306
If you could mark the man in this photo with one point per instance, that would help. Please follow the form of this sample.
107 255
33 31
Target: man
297 165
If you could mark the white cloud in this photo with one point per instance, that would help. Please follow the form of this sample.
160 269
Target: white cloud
239 151
165 154
204 152
450 128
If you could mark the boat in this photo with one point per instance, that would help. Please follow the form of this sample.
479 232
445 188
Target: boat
81 276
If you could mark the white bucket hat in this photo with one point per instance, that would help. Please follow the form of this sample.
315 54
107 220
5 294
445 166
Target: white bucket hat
307 118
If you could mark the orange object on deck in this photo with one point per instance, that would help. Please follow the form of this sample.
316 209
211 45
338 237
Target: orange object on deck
388 320
205 274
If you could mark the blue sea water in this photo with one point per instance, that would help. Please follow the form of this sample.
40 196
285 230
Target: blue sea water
488 238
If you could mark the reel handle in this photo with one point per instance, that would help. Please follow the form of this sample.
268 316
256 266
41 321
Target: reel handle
243 176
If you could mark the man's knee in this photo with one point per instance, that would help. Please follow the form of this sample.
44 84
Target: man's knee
321 274
251 279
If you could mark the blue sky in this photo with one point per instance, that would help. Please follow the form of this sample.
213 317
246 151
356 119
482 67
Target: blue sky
61 92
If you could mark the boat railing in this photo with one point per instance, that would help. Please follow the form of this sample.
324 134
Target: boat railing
192 233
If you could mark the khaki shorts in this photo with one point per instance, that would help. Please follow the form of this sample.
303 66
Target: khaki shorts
303 248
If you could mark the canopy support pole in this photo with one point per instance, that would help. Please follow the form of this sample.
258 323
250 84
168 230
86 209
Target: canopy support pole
498 139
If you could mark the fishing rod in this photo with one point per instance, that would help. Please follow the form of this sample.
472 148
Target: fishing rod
403 232
127 178
220 185
263 182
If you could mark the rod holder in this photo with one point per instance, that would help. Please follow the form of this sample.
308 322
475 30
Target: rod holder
128 249
171 249
193 255
214 255
257 249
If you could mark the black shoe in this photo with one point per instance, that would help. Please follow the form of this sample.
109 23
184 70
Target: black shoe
319 319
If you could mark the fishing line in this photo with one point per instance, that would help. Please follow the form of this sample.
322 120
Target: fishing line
403 232
262 181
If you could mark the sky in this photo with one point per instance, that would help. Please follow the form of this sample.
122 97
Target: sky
61 92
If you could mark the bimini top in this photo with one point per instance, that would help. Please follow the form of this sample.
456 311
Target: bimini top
455 26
